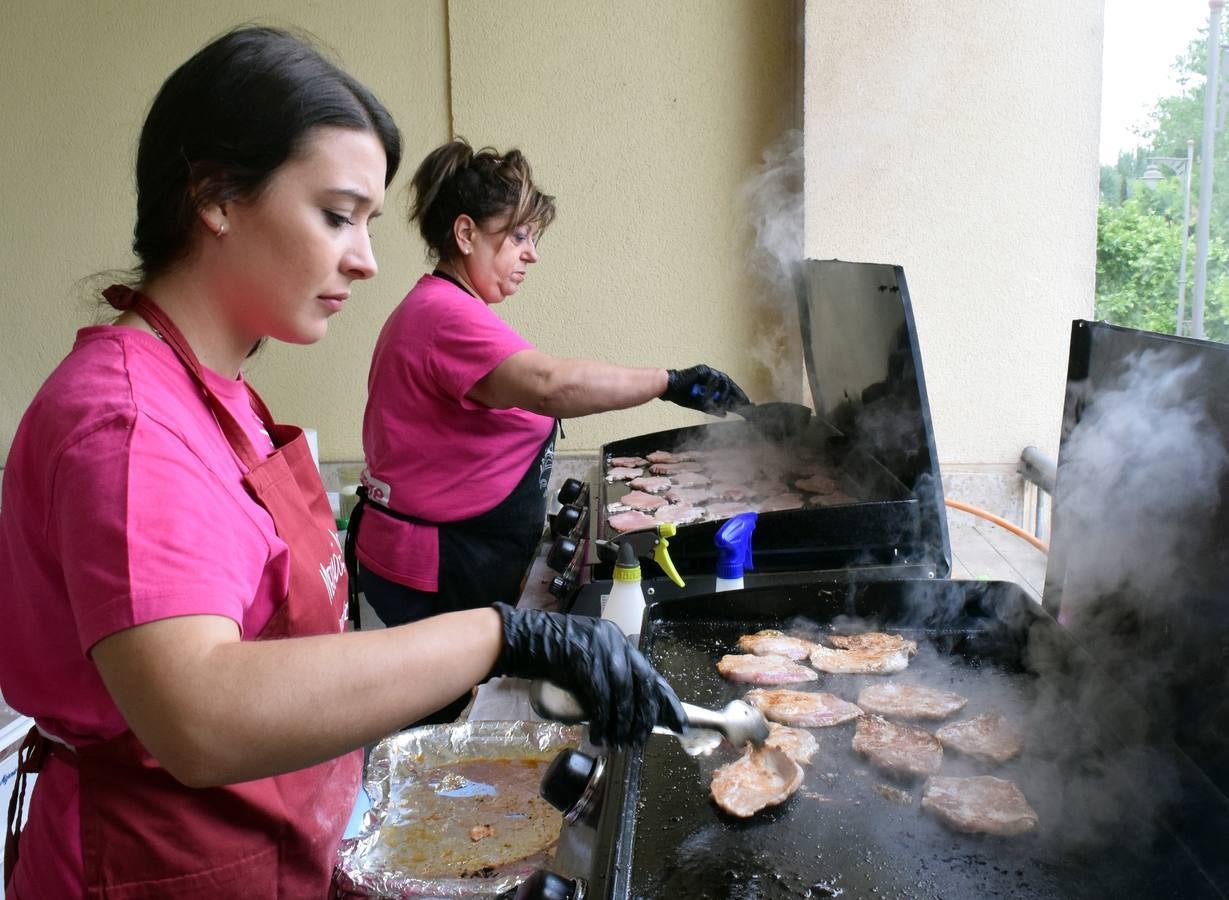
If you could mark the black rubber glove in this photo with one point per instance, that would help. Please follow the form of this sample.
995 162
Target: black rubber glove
623 695
703 388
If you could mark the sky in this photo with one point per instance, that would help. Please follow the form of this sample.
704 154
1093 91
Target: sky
1142 40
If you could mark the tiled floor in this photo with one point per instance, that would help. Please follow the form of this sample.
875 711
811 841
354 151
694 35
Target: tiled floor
982 550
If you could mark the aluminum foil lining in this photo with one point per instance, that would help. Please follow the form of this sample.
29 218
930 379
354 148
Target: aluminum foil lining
364 868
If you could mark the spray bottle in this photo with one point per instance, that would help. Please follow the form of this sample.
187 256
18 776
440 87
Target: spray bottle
734 551
625 605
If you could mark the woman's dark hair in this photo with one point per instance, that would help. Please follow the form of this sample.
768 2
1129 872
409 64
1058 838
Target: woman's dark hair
227 119
456 180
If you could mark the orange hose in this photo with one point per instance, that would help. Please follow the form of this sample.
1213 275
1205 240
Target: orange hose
1002 523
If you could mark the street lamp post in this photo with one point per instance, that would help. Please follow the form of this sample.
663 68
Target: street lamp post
1205 169
1151 177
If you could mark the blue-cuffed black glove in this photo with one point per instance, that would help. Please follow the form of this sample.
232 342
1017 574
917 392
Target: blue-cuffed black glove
706 389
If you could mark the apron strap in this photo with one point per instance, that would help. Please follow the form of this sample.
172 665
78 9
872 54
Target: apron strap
30 758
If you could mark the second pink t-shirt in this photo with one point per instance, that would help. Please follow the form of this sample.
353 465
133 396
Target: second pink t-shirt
432 453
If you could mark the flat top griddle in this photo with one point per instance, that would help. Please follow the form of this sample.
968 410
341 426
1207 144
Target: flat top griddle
839 836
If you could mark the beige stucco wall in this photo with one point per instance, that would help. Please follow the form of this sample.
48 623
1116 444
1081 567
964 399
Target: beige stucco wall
643 118
958 139
75 82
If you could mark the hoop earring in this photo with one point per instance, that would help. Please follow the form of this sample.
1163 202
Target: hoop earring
221 230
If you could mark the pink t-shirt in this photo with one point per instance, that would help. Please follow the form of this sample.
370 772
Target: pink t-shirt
122 504
431 453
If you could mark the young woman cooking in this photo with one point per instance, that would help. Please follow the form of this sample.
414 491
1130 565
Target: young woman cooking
460 422
170 581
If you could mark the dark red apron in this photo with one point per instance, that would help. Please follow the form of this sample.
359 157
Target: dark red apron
143 833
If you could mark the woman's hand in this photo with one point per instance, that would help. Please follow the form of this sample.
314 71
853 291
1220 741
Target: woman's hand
622 694
706 389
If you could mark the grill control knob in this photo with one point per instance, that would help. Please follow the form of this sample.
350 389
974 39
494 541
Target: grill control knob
571 491
566 520
561 554
544 885
571 783
561 586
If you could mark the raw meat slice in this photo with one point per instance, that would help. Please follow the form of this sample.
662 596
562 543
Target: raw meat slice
852 662
910 701
803 709
632 520
628 462
687 496
672 468
763 669
873 642
623 473
988 737
689 479
728 509
679 514
773 642
817 484
979 804
781 501
650 485
729 491
659 456
642 501
898 749
761 777
800 745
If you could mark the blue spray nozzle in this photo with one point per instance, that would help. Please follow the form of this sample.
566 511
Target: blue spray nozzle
734 545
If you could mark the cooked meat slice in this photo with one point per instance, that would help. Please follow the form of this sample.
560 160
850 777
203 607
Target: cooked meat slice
803 709
761 777
779 502
753 669
858 662
767 487
687 496
730 491
898 749
896 795
623 473
628 461
689 479
650 485
817 484
773 642
679 514
800 745
642 501
478 832
982 804
632 520
672 468
988 737
834 499
910 701
873 642
728 509
659 456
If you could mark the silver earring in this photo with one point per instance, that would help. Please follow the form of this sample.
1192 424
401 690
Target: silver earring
221 230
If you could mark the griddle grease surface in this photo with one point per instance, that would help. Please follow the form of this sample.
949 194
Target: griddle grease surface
840 836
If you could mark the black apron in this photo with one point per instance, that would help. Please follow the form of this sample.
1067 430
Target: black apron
482 559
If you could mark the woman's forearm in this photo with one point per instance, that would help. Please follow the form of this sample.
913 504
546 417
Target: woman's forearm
237 710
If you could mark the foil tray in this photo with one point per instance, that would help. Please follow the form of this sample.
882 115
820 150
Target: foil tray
367 868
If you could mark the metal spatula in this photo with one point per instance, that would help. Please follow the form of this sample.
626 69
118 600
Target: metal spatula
777 421
738 721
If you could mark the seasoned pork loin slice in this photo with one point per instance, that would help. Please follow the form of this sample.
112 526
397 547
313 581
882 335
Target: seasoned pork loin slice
623 473
778 502
988 737
803 709
672 468
859 662
730 491
761 777
873 642
660 456
777 643
642 501
752 669
728 509
689 479
656 484
904 750
817 484
980 804
679 514
687 496
633 462
633 520
902 700
800 745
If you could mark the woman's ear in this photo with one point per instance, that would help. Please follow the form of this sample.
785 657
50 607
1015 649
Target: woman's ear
463 230
214 218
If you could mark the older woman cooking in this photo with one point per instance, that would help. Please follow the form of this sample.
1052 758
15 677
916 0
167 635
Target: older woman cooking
461 412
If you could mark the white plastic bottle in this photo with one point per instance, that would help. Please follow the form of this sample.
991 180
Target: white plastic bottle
625 605
734 551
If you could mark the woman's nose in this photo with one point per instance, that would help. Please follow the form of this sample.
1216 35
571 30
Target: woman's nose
360 261
531 251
